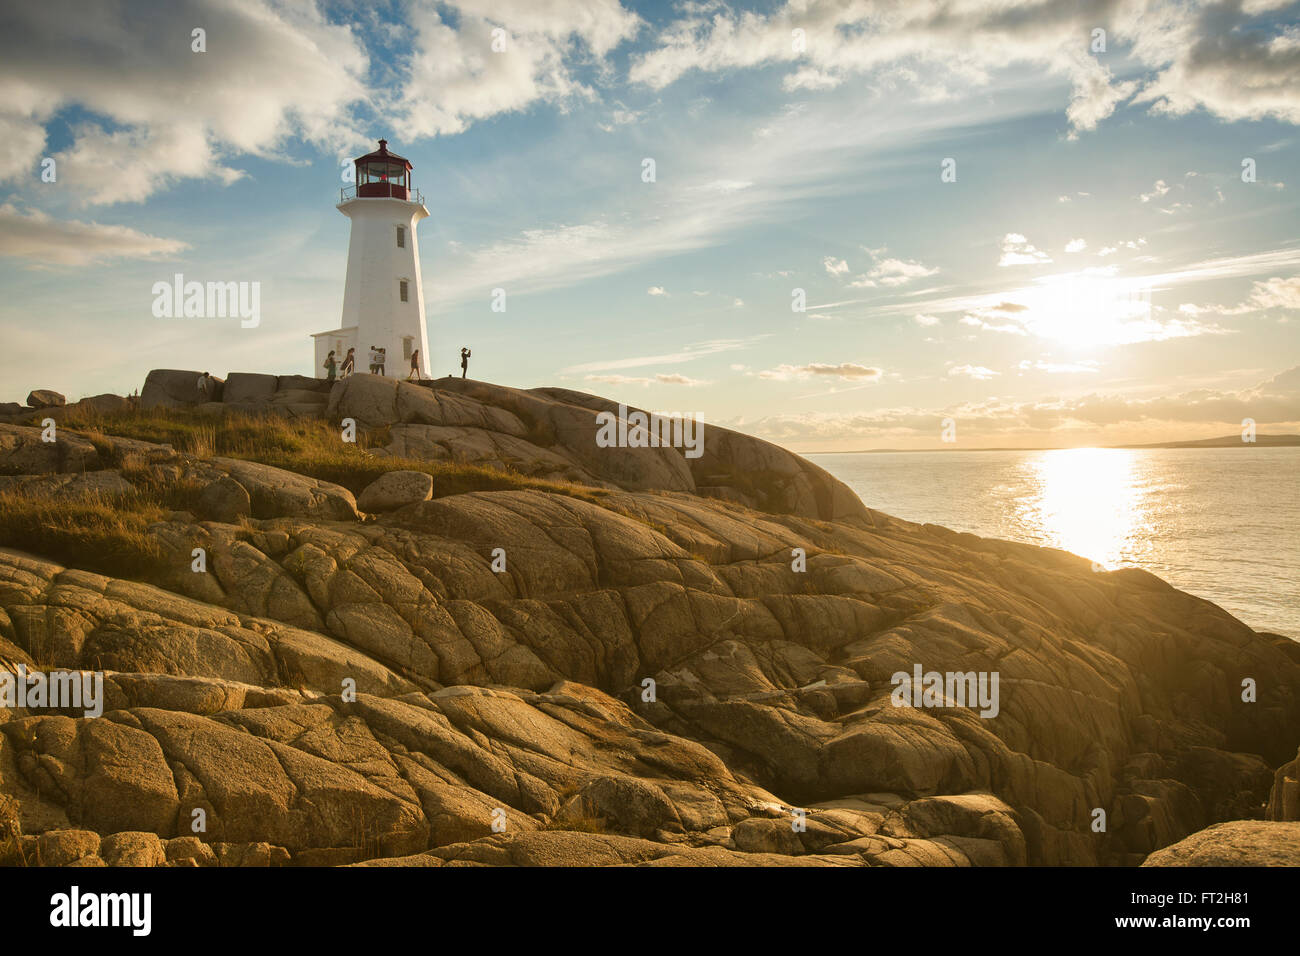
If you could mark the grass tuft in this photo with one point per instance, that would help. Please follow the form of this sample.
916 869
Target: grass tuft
103 533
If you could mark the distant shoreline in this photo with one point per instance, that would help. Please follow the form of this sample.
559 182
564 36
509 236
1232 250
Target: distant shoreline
1231 441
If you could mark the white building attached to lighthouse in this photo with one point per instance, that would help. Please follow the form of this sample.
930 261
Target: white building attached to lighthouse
383 297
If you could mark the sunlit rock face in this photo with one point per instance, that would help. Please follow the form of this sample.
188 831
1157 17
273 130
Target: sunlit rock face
626 671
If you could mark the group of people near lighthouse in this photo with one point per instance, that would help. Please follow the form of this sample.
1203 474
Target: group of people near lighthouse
378 358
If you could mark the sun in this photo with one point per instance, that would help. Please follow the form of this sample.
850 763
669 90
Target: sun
1085 311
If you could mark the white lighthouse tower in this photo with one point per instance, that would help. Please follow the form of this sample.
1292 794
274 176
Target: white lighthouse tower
383 297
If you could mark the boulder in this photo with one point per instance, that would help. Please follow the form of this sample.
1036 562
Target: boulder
275 492
1238 843
225 500
11 408
133 848
45 398
62 847
300 396
250 387
106 404
22 452
396 489
285 383
189 850
371 400
629 805
175 388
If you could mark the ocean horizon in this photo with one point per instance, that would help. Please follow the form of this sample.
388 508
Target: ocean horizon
1220 523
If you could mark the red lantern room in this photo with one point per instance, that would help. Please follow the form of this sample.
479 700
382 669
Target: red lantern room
384 175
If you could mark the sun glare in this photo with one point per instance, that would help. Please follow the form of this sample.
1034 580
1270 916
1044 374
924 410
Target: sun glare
1087 501
1089 311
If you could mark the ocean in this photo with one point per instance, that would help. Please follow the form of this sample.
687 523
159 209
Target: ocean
1220 523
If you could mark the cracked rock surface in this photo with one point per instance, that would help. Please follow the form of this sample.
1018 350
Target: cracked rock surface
647 681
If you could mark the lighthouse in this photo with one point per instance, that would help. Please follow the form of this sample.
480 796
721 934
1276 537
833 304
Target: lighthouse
383 297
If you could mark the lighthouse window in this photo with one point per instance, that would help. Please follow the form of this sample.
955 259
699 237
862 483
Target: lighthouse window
401 289
401 237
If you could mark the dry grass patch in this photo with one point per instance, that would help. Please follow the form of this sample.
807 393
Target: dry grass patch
107 534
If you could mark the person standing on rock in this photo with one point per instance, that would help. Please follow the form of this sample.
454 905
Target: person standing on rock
330 367
382 356
349 362
415 366
464 361
205 387
374 359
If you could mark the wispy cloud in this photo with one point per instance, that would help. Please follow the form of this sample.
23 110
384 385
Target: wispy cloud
44 241
688 354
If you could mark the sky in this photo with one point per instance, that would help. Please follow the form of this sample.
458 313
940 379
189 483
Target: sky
837 225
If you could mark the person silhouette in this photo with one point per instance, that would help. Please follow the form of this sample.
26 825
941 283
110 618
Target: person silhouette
415 366
464 361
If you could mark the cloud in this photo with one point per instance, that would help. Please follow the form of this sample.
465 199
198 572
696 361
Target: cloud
926 320
1090 309
663 378
1222 58
655 290
44 241
1159 189
273 74
688 354
884 271
1017 251
978 372
1199 54
983 319
1274 293
1134 244
1275 402
455 77
898 271
845 370
724 186
1058 368
1076 245
621 116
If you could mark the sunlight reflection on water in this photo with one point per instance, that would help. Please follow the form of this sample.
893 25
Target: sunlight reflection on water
1086 500
1223 523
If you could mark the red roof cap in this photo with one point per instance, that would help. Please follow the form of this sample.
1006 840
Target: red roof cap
382 154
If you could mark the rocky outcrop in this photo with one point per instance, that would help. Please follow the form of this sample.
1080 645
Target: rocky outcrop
45 398
175 388
23 452
626 675
1284 798
95 405
1240 843
396 489
552 433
